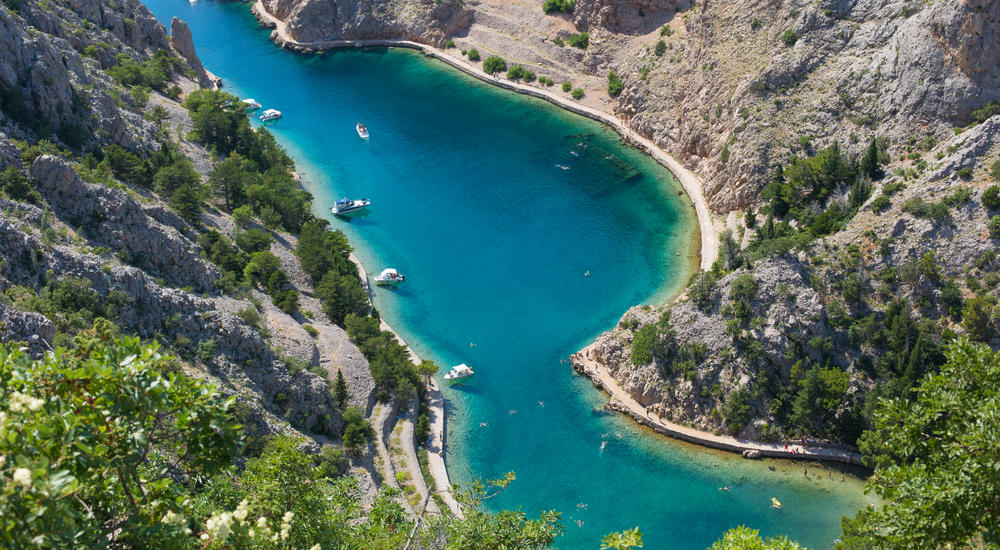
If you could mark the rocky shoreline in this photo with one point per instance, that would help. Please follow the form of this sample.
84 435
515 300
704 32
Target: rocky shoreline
622 402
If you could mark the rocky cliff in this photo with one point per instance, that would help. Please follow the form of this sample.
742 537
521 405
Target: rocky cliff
852 306
739 83
77 244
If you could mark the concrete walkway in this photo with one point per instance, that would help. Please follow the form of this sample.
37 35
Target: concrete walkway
692 185
621 401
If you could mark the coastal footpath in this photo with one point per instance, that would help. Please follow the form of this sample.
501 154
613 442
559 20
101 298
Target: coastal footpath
622 402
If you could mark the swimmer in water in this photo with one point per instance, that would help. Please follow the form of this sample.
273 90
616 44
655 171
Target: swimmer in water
482 424
587 274
726 488
472 344
579 523
618 435
603 444
541 403
581 506
513 411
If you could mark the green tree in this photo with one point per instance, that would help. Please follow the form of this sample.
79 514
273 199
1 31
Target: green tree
340 392
819 394
227 180
661 48
744 538
870 165
789 38
991 197
320 250
473 54
93 439
935 460
977 317
253 240
427 369
615 84
494 64
341 296
16 186
622 540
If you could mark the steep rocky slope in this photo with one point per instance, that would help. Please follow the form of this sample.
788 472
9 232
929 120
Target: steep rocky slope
78 244
852 306
738 83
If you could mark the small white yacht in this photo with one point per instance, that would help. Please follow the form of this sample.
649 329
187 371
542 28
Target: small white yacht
389 277
362 130
459 372
251 104
270 114
346 206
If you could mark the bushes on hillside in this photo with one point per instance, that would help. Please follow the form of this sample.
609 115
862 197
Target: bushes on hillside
494 64
565 6
615 84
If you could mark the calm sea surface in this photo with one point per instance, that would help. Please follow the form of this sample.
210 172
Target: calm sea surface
494 211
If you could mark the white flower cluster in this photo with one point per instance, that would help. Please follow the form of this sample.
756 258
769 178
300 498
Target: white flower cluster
21 403
286 525
218 527
175 520
242 509
22 476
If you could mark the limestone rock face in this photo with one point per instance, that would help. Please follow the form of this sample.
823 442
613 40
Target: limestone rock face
317 20
627 17
114 219
799 309
183 44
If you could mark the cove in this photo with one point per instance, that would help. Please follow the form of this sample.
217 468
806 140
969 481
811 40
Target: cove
472 202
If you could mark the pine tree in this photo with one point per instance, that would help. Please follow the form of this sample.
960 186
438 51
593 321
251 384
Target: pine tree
768 231
340 390
869 163
750 218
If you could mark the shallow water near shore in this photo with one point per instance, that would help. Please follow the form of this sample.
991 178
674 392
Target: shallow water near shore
494 211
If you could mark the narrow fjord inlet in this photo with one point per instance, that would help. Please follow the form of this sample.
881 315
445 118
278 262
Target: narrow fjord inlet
519 246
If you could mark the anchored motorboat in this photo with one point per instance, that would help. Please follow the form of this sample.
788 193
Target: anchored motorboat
347 206
389 277
459 372
270 114
362 130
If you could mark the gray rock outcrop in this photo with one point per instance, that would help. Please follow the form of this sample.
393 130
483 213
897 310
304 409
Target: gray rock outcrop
183 44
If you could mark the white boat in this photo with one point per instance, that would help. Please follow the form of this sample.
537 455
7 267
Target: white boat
362 130
270 114
459 372
251 104
389 277
346 206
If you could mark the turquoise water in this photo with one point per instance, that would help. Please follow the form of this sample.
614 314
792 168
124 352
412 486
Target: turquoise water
471 202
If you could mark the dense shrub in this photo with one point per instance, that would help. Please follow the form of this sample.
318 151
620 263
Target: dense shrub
565 6
615 84
581 40
991 197
494 64
567 86
473 54
661 48
577 93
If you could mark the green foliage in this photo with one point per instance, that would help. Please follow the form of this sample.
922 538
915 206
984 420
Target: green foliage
991 197
388 360
755 24
654 340
931 210
978 318
789 38
924 449
577 93
341 295
871 164
14 185
357 431
93 439
615 84
736 410
565 6
494 64
219 250
820 393
264 268
449 43
622 540
473 54
581 40
660 48
153 73
994 226
261 169
567 86
253 240
745 538
981 114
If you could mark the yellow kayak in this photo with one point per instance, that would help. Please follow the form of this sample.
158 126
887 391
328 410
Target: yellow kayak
775 503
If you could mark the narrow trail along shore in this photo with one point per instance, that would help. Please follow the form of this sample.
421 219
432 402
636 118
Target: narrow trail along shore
693 186
623 402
